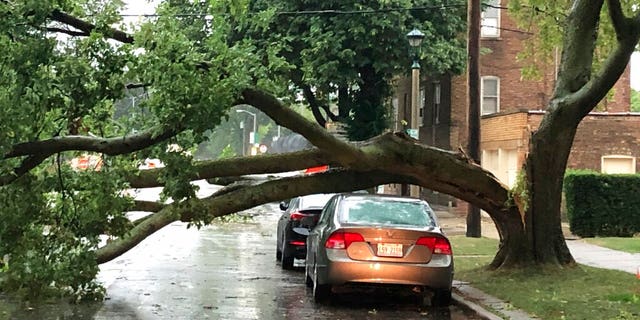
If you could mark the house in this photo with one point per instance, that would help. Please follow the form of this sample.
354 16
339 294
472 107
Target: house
608 140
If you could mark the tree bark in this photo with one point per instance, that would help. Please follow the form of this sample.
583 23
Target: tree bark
514 250
545 167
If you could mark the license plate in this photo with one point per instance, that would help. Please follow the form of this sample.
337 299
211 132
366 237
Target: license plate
390 249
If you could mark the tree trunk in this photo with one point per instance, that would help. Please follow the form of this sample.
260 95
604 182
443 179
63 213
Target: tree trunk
514 250
532 233
344 103
549 150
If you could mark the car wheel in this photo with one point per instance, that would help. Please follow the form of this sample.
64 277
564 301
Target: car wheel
308 281
441 298
278 254
423 298
286 260
321 292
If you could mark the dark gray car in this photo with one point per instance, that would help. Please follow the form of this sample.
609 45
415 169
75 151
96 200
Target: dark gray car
299 216
380 240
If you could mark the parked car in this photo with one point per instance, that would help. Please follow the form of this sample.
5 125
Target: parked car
300 215
380 240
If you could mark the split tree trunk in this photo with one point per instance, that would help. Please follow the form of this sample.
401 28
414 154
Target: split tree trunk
533 234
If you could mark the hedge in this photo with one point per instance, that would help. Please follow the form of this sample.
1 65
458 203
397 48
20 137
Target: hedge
602 204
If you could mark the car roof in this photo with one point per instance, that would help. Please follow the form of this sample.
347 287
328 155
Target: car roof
387 197
315 200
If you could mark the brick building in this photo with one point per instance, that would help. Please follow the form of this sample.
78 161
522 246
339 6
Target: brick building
512 107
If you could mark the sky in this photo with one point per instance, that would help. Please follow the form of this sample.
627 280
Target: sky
148 7
140 7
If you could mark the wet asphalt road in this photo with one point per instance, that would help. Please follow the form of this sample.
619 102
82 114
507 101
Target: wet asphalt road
223 271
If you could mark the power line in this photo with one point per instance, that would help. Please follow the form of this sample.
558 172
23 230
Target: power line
314 12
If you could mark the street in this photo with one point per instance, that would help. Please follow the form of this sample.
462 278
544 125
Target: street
223 271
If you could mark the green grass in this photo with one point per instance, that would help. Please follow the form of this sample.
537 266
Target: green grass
579 292
631 245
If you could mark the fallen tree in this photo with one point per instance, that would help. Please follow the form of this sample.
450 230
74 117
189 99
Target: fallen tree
47 205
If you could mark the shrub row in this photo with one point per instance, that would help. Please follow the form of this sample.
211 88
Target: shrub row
602 204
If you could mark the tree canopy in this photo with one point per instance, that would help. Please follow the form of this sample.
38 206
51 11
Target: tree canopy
342 55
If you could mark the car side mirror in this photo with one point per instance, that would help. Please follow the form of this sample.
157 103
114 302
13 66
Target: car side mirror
284 205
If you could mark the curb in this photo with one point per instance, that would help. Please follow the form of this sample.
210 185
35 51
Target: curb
483 313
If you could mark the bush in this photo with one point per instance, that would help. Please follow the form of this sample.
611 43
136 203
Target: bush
602 204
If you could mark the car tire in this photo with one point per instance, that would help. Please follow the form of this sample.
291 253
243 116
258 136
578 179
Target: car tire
441 298
278 254
321 292
423 299
307 278
286 260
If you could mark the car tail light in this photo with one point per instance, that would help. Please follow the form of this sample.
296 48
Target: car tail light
297 243
342 240
297 215
436 244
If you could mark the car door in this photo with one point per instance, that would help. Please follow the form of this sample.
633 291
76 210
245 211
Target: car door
284 219
316 234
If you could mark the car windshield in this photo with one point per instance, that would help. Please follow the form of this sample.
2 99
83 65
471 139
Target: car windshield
314 200
385 212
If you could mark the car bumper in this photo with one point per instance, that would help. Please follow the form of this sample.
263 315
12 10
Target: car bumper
297 251
340 270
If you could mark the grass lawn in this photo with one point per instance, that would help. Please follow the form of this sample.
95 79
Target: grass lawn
631 245
579 292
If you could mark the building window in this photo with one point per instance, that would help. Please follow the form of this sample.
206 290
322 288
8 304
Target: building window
436 102
490 24
618 164
490 95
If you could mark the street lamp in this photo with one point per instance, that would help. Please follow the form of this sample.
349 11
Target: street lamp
415 40
252 135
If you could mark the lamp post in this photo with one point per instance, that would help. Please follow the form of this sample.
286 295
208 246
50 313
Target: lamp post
252 135
415 40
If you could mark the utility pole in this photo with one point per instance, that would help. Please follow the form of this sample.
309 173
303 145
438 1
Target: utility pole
473 101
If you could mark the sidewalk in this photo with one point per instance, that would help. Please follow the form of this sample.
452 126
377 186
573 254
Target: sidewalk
599 257
584 253
466 296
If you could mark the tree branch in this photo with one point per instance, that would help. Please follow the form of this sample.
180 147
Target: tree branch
137 85
261 164
69 32
26 166
148 206
241 199
314 104
87 27
330 114
109 146
617 18
628 31
343 152
578 46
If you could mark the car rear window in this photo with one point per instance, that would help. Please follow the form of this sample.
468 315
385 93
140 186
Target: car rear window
385 212
314 201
